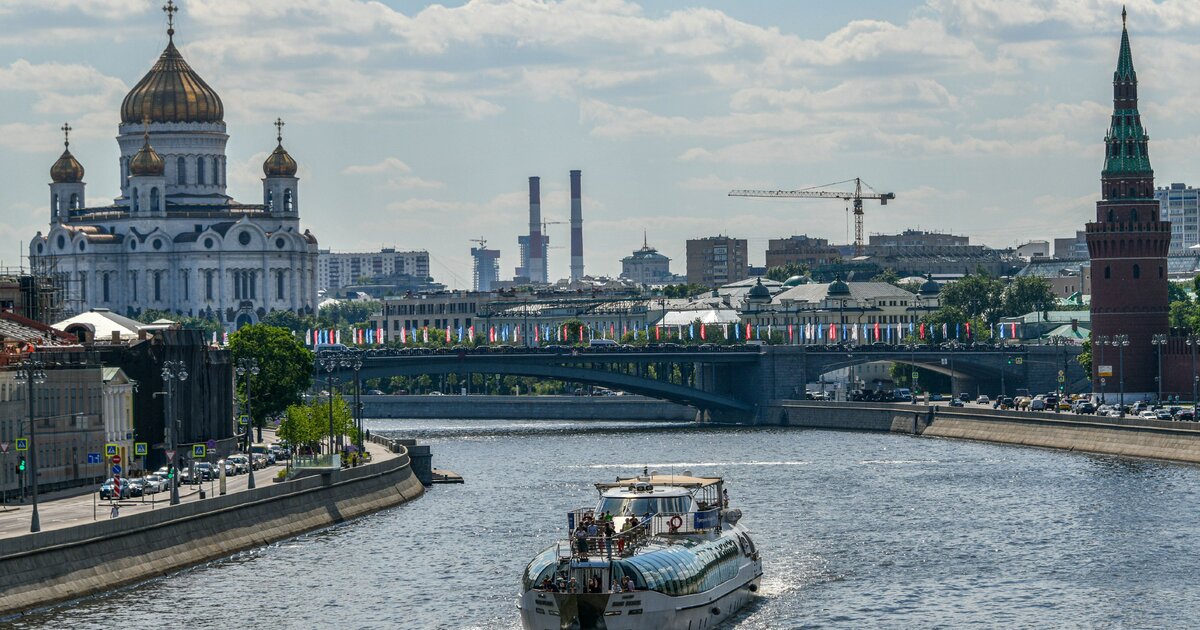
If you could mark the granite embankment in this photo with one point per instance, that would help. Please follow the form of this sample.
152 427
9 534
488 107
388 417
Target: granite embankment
525 408
63 564
1130 437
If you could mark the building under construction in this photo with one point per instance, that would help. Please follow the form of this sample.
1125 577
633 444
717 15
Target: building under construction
40 295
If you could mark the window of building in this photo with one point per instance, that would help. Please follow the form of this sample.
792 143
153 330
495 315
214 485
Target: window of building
181 171
253 285
208 285
216 172
200 171
104 286
157 286
135 200
183 275
83 286
154 200
279 285
1137 271
1107 273
287 200
133 285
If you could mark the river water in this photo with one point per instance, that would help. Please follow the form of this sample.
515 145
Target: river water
856 529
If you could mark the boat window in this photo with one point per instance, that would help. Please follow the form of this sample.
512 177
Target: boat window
618 506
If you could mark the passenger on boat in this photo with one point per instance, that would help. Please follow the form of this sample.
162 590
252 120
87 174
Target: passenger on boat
725 498
627 584
581 540
592 530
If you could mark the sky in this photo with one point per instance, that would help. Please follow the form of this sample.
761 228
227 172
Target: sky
417 125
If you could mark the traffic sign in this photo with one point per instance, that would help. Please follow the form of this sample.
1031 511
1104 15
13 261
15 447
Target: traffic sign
243 420
170 456
1061 378
22 444
116 459
110 450
211 444
197 450
94 458
3 447
1104 370
1061 374
914 375
116 470
1020 360
141 449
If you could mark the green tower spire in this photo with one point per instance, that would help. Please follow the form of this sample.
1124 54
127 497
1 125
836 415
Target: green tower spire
1126 144
1125 60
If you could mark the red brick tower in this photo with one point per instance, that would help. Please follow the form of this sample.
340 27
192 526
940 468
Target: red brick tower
1128 242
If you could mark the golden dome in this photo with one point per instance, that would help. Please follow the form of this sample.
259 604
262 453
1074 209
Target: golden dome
67 170
172 92
279 163
147 162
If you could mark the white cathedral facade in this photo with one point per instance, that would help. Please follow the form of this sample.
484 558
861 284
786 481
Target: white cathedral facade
174 240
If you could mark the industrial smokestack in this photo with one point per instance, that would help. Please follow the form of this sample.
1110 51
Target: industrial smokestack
576 228
536 254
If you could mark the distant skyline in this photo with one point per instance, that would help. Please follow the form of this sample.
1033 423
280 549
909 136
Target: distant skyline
417 125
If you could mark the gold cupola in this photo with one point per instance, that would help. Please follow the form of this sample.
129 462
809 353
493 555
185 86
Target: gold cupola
67 170
147 162
172 92
279 163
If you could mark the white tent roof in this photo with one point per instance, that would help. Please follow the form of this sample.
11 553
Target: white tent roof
706 316
102 323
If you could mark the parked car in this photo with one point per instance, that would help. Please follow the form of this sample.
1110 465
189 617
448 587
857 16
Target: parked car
1164 414
1185 414
964 396
132 488
1148 415
1037 404
206 471
240 463
1085 407
154 484
955 402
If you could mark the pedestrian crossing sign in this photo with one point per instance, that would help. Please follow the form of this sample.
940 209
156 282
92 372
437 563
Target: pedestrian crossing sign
22 444
110 450
140 449
198 450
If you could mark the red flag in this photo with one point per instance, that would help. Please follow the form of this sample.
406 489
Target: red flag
876 331
747 330
922 330
581 332
657 332
968 330
702 335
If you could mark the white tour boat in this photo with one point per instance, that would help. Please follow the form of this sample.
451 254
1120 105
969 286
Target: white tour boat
675 557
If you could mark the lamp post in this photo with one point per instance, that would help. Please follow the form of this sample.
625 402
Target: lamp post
353 361
30 372
1120 342
172 371
330 361
248 366
1101 341
1159 340
1192 341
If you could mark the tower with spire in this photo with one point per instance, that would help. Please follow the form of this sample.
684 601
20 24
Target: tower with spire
66 182
280 184
1128 241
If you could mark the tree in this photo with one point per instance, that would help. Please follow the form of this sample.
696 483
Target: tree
888 275
976 296
1176 293
1185 315
684 290
347 313
1085 358
308 424
290 321
285 369
187 322
1026 294
783 272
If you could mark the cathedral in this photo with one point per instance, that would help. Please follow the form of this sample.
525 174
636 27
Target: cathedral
174 240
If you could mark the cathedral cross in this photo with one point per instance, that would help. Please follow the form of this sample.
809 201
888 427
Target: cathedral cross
66 129
170 9
279 130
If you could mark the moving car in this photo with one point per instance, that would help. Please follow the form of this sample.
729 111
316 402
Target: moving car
108 490
983 400
154 484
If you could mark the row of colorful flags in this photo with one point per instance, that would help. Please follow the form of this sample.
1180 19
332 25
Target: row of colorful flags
539 333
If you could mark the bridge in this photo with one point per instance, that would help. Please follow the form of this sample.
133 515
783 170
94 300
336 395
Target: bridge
730 383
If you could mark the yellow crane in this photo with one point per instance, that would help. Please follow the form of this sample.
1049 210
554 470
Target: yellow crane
817 192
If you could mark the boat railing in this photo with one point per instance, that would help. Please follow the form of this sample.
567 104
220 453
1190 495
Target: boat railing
629 542
685 522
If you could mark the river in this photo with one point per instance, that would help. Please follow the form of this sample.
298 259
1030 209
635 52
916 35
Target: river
856 529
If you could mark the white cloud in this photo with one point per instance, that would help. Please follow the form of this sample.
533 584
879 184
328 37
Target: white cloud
388 165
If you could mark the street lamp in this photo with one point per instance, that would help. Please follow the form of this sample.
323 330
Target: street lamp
1192 341
248 366
331 362
1120 342
30 372
1159 340
353 361
172 371
1101 341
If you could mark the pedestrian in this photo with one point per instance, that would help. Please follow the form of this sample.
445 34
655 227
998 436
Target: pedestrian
116 510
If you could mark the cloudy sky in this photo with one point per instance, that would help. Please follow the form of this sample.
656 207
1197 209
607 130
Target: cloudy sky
416 125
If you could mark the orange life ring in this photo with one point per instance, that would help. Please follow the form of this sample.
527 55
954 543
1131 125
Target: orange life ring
676 522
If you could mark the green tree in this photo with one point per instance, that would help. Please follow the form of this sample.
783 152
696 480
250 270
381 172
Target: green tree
285 369
1185 315
290 321
783 272
347 313
1176 293
308 424
977 296
1085 358
1026 294
684 290
888 275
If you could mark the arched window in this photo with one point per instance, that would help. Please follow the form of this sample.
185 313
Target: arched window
287 200
1137 271
134 197
74 201
279 285
104 286
1107 273
200 171
154 199
1160 271
157 286
54 202
1133 215
1132 192
181 171
269 201
216 171
1111 215
1153 214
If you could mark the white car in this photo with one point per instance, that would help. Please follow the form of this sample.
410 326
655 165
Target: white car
1148 415
155 484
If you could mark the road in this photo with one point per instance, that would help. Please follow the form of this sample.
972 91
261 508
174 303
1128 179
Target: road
57 511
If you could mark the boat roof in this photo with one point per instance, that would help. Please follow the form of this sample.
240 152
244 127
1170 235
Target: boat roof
679 481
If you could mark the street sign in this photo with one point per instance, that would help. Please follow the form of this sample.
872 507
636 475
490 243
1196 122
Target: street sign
141 449
3 447
243 420
914 375
1061 374
110 450
116 459
170 456
198 450
1020 360
116 470
22 444
94 458
211 444
1104 370
945 361
1062 379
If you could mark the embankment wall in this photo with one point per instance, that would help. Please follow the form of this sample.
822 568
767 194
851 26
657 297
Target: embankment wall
63 564
1130 437
525 408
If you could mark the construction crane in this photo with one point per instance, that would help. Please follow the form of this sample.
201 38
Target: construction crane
482 242
856 196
